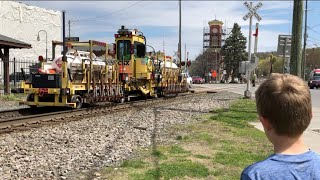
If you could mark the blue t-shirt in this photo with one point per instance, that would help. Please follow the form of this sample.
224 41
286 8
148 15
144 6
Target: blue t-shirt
280 166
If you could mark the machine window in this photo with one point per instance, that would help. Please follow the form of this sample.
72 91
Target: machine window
123 50
139 50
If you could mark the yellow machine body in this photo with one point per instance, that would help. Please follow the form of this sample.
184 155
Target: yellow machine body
142 73
81 78
87 81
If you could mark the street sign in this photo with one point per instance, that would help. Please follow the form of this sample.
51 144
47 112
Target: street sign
72 39
284 44
284 50
252 11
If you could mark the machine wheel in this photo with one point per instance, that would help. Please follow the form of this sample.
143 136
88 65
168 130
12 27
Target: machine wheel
30 97
77 99
122 100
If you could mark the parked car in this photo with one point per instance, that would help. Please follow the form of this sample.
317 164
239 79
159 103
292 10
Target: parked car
197 80
314 83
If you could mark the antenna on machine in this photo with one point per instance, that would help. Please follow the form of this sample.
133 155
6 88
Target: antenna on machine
163 44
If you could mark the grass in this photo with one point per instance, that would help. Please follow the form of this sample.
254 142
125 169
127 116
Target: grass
133 164
12 97
219 147
176 169
177 150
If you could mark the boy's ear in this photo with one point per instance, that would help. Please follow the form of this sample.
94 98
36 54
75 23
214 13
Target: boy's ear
265 122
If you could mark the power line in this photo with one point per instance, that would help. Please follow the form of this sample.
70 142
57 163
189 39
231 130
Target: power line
99 17
314 42
313 30
315 26
314 39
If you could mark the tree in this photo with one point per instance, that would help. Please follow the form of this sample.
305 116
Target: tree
234 51
269 63
203 63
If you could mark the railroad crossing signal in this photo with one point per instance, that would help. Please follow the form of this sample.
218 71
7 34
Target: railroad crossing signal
252 11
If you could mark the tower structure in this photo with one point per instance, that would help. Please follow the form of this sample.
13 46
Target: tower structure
213 39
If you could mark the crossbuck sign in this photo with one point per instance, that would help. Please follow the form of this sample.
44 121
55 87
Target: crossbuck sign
252 66
252 11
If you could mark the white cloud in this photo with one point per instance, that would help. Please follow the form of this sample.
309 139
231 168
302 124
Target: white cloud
164 15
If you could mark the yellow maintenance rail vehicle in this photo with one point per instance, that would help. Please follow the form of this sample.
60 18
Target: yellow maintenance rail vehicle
142 73
75 79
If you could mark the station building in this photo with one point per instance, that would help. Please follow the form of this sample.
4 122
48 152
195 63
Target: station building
23 22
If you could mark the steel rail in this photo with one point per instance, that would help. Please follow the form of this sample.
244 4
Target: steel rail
36 120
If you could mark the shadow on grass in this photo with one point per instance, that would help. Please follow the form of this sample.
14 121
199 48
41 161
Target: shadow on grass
169 169
156 154
238 114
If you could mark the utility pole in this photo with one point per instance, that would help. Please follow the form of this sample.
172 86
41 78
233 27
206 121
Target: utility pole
69 27
304 59
284 55
179 48
295 59
185 56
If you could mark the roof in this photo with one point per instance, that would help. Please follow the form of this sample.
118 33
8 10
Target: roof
215 22
6 41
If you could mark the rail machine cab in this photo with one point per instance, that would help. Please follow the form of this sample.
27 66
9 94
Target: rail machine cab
142 74
135 68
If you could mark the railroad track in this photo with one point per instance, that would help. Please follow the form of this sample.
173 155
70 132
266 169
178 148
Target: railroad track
29 121
15 113
11 113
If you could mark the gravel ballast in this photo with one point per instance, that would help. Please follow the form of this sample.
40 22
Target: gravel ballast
8 105
64 150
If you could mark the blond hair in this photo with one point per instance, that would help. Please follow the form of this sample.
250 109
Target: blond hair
284 100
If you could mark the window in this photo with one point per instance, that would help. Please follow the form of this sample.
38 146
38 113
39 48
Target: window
214 41
123 50
139 49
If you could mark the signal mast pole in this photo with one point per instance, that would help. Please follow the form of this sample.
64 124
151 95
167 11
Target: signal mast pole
179 48
303 64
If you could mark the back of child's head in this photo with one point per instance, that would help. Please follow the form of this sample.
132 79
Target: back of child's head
284 100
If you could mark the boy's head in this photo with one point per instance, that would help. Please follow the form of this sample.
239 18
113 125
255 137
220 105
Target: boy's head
284 101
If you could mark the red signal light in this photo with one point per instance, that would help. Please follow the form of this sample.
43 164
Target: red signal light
188 63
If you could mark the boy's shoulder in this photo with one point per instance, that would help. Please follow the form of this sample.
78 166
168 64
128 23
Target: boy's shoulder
280 166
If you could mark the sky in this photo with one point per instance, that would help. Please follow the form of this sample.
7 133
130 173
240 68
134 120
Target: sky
159 21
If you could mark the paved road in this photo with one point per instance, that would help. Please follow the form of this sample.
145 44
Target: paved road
240 88
315 96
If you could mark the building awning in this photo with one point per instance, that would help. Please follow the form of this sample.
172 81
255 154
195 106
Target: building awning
7 42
